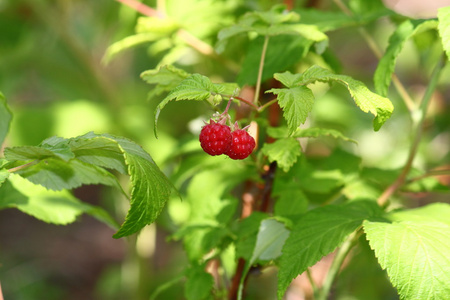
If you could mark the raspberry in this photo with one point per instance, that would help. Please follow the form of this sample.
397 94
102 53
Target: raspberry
215 138
242 144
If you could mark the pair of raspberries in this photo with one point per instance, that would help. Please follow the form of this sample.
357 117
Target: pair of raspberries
216 139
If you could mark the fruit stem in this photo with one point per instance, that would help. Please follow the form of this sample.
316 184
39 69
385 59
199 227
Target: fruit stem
260 71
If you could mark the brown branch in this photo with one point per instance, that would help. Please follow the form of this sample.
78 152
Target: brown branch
142 8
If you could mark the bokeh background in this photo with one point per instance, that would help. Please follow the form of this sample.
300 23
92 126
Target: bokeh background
58 81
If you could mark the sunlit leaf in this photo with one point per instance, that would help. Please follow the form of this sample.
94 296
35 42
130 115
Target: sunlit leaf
165 79
296 102
414 251
57 207
317 132
199 283
444 28
318 233
284 151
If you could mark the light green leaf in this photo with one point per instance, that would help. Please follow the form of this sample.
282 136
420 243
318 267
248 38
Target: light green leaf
4 174
437 212
163 26
129 42
284 151
366 100
5 118
288 79
415 255
326 20
199 283
165 79
296 103
318 233
316 132
270 240
444 28
386 66
57 207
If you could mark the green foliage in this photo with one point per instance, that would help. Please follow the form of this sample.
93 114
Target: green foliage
317 233
283 151
444 28
5 118
416 242
199 283
386 66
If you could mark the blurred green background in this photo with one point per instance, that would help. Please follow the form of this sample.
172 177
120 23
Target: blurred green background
54 76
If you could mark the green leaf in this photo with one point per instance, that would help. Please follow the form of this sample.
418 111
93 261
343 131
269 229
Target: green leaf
296 103
5 118
316 132
56 174
444 28
414 251
60 150
284 151
318 233
385 68
436 212
291 201
57 207
326 20
195 87
166 78
366 100
164 26
4 174
150 187
271 23
246 234
129 42
199 283
269 241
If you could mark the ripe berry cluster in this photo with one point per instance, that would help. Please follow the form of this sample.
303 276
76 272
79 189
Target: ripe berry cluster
217 138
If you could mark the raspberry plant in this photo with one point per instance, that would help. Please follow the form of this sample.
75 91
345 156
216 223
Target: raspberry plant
291 194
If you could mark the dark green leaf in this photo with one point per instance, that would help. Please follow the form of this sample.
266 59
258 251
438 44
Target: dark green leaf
5 118
284 151
326 20
318 233
296 102
385 69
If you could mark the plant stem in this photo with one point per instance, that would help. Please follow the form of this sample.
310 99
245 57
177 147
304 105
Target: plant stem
263 107
341 254
260 70
430 173
21 167
311 281
418 119
247 102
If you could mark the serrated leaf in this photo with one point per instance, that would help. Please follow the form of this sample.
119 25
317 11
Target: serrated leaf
199 283
366 100
56 174
57 207
5 118
318 233
296 102
316 132
437 212
195 87
415 255
150 188
165 79
100 151
385 68
269 241
291 201
444 28
284 151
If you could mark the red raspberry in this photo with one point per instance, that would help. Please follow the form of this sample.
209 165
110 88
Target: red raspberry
215 138
242 144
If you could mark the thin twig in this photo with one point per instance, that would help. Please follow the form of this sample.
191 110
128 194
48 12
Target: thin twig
418 126
21 167
260 70
312 282
430 174
341 254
